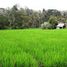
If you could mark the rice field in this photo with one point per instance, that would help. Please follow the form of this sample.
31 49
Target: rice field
33 48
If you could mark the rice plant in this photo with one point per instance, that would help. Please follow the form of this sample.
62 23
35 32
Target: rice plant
33 48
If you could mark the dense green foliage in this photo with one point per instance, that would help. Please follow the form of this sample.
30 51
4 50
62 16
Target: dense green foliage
33 48
19 18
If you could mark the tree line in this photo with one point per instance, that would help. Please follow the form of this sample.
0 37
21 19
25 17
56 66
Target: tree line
14 18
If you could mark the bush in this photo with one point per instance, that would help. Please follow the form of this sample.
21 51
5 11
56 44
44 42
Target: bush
53 21
46 25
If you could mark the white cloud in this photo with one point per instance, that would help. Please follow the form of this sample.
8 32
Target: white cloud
36 4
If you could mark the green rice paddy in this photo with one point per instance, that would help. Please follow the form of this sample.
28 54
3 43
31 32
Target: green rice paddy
33 48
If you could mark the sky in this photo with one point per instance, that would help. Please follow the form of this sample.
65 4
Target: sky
36 4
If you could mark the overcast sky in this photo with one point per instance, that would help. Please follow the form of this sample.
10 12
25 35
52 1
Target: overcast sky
36 4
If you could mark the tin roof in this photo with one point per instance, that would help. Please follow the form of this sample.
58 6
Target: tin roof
60 25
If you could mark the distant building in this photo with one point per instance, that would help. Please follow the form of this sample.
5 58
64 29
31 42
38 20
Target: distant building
60 25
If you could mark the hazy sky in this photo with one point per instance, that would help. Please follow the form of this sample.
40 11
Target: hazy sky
36 4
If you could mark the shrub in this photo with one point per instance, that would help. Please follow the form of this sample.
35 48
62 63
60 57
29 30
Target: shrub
46 25
53 21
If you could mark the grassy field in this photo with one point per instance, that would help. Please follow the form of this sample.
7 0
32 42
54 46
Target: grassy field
33 48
